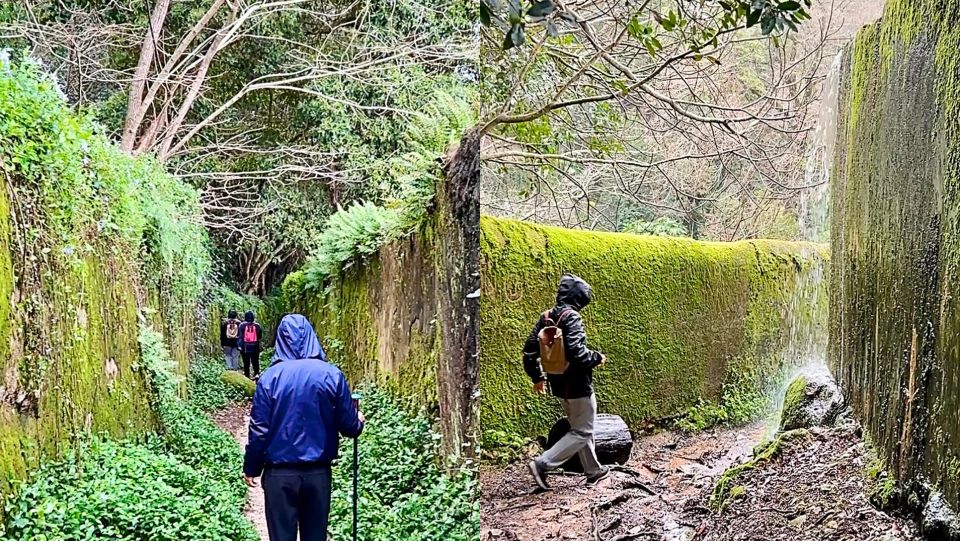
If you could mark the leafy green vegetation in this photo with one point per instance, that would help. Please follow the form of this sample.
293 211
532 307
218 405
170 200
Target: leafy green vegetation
208 389
89 194
187 433
360 229
122 491
180 484
662 226
404 491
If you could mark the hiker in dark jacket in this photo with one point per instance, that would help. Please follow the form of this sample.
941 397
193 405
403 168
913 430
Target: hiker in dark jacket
249 340
300 408
229 339
574 387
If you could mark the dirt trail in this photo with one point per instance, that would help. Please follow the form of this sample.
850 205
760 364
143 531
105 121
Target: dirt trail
663 494
234 419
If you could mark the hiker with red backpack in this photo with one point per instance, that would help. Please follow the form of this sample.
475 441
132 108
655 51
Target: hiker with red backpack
556 353
250 335
229 339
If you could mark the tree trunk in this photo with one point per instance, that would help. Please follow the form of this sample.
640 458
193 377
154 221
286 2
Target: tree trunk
458 265
611 437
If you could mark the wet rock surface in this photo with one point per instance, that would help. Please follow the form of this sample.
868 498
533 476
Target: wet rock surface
813 489
812 399
939 520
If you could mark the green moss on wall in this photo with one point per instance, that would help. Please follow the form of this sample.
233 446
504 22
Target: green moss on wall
682 322
91 240
378 320
894 320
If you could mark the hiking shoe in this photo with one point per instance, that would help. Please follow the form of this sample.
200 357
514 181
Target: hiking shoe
602 473
539 474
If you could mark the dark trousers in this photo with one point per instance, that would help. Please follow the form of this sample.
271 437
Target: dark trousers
248 359
297 497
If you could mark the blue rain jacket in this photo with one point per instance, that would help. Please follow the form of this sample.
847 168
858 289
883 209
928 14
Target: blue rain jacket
301 406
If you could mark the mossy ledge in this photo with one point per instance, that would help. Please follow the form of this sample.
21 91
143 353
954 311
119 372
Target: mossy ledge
684 323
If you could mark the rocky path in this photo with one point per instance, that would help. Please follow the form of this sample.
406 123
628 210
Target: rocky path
234 419
814 492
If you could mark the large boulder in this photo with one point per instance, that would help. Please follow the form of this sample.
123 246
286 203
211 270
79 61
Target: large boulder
939 520
611 436
812 399
238 384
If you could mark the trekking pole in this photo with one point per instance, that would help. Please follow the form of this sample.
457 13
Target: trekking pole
356 468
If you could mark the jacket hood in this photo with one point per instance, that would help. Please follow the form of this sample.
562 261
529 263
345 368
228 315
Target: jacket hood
573 291
248 316
296 339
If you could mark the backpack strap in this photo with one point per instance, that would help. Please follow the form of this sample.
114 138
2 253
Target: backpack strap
547 318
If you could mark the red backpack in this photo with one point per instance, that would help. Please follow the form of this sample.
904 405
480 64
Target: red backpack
250 334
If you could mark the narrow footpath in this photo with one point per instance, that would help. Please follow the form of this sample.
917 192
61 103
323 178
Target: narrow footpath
812 491
234 419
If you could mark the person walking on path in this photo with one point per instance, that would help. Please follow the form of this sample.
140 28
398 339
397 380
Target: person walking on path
300 407
250 335
229 340
570 376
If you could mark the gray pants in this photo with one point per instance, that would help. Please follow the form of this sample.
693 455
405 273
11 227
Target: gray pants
233 356
581 412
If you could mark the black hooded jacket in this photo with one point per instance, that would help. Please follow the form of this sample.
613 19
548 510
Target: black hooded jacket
573 295
249 347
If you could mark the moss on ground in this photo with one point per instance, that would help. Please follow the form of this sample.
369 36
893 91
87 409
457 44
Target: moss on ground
725 491
684 323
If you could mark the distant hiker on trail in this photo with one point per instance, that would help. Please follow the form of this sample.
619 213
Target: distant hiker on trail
301 406
556 353
229 338
250 335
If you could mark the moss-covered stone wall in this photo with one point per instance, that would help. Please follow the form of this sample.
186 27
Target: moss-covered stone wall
683 323
93 243
894 313
379 321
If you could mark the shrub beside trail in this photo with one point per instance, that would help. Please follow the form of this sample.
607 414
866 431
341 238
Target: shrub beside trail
180 484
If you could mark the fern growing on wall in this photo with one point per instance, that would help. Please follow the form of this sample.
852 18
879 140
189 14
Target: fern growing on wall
360 229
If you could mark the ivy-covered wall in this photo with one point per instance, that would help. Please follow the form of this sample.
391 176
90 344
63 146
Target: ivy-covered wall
894 313
683 323
91 242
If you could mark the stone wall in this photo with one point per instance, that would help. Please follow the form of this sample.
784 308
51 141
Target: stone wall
894 315
684 323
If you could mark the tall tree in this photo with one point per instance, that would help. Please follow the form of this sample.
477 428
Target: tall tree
606 115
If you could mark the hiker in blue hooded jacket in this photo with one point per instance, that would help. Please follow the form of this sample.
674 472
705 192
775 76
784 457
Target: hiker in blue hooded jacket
301 406
574 387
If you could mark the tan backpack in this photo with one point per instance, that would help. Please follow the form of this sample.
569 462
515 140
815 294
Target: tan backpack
553 353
